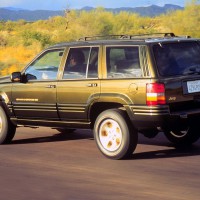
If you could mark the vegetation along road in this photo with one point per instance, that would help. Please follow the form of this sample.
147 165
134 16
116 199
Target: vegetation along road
21 40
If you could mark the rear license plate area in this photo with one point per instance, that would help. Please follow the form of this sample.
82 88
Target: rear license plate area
193 86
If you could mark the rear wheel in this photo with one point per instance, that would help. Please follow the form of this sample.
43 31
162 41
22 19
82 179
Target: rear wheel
114 134
7 129
183 137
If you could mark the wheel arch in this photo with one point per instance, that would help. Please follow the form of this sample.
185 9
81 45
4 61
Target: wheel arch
105 102
4 101
99 107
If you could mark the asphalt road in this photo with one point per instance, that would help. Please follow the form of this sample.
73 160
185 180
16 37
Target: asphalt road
42 164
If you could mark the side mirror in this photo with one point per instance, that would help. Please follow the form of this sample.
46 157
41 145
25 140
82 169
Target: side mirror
16 77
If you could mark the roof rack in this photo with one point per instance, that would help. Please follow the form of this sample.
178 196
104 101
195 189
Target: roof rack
100 36
149 34
124 36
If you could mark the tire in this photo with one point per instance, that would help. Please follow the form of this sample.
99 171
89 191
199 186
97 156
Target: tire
7 129
183 137
114 135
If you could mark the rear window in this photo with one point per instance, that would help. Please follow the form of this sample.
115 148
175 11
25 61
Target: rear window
181 58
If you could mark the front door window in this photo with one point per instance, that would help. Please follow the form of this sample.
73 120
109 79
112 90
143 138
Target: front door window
46 66
82 63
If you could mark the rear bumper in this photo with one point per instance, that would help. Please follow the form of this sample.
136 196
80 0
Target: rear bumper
156 117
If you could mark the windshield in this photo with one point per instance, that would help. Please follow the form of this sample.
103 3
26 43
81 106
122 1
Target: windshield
181 58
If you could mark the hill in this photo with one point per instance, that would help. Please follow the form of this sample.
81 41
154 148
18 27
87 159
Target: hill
14 14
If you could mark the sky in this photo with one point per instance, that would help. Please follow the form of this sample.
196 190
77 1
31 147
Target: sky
76 4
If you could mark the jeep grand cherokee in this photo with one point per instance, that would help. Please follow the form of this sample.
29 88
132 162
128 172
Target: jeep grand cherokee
124 85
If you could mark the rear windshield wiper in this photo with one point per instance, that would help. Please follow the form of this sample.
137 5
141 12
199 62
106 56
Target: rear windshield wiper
195 69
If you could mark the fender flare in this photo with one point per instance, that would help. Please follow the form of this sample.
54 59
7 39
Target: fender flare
4 103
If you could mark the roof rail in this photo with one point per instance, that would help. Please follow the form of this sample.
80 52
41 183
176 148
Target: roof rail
153 35
125 36
100 36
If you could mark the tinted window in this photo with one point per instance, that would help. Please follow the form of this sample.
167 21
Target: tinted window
46 66
123 62
179 58
81 63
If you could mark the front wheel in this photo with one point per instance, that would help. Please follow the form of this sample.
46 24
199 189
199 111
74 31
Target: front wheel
183 137
7 129
114 134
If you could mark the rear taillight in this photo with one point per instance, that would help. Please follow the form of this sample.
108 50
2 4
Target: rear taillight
155 94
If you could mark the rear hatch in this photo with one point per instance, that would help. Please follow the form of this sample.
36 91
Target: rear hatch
178 66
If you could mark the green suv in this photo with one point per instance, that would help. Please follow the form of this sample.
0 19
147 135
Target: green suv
118 85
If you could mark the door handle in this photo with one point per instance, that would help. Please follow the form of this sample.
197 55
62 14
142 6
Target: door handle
92 85
50 86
